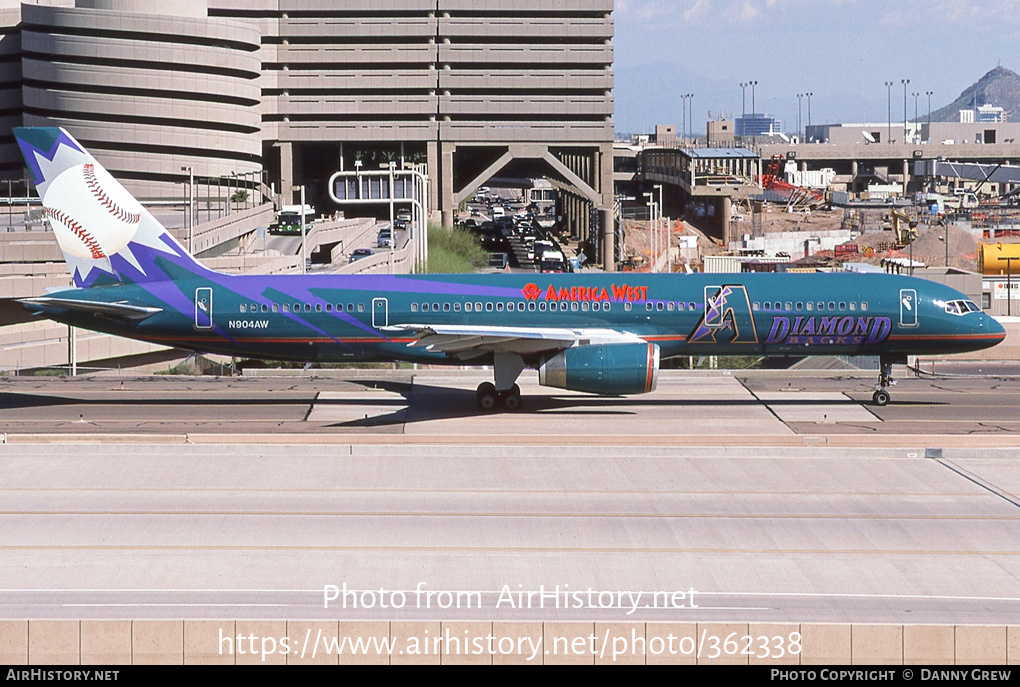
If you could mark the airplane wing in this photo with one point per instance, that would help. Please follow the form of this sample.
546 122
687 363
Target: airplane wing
468 341
122 311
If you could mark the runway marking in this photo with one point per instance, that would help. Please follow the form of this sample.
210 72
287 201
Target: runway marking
525 514
506 549
489 491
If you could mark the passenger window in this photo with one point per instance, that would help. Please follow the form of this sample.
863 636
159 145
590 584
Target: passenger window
424 307
244 307
361 307
864 305
467 307
606 307
789 306
308 307
339 307
755 306
531 306
446 307
853 305
318 307
627 307
573 307
542 306
669 306
276 308
584 306
499 307
414 306
800 306
842 306
767 307
456 307
660 306
329 307
350 307
297 307
520 307
648 307
488 307
435 307
809 306
286 307
265 308
478 307
832 305
821 305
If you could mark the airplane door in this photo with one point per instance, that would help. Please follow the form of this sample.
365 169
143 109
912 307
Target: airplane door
380 312
908 308
203 308
712 319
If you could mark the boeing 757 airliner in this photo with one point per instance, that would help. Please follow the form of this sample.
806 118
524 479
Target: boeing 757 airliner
594 332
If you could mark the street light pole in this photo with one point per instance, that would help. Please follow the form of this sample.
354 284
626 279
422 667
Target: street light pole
799 100
743 112
754 130
808 112
929 94
191 207
304 247
904 82
888 88
916 94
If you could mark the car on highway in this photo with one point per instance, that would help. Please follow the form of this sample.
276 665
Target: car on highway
360 253
385 238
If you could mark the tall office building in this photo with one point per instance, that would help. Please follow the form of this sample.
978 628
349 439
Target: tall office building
471 89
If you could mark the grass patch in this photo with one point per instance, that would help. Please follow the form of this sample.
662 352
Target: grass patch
184 368
453 250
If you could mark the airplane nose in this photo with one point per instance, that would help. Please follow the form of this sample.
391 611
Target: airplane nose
990 327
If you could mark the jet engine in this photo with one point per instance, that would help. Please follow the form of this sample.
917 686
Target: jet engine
608 369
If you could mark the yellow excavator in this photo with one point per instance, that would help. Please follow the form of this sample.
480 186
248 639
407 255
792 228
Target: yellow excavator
904 234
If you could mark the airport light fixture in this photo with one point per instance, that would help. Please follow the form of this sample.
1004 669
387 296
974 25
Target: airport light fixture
888 88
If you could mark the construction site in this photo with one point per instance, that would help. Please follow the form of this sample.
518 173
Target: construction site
704 212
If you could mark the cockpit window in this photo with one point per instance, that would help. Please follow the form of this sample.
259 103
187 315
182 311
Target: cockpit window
961 307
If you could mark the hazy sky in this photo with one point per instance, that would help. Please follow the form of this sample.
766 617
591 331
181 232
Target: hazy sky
841 50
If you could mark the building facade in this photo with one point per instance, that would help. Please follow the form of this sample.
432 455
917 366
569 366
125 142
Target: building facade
287 92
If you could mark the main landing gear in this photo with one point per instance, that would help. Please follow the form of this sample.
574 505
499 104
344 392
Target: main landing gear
881 397
507 367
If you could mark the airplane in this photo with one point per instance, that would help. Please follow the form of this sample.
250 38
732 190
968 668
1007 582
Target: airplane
602 333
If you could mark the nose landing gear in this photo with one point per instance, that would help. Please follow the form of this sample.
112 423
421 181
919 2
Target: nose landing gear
881 397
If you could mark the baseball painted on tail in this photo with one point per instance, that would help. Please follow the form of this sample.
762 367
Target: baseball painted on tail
90 213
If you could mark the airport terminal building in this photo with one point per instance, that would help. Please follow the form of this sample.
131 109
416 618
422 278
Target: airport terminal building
276 94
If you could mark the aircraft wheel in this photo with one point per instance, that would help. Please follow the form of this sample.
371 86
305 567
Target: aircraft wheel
880 397
512 401
486 395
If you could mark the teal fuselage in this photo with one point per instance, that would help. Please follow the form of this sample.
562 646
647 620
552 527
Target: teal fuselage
335 318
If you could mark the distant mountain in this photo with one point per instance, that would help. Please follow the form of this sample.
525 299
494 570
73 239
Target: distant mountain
999 87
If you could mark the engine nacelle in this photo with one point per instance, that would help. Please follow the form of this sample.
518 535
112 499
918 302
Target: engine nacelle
609 369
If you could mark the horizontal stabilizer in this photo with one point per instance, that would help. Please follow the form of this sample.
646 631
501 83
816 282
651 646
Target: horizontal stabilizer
118 310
